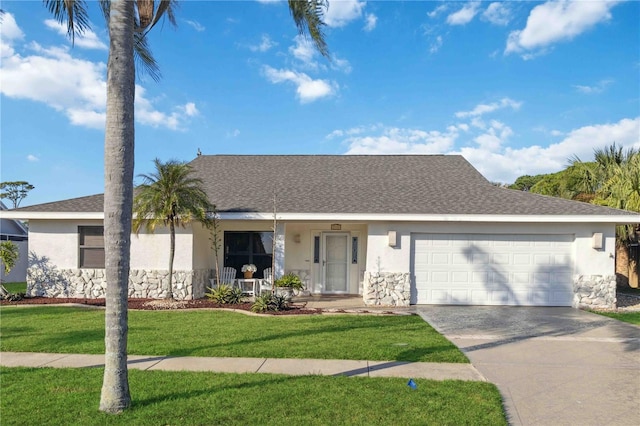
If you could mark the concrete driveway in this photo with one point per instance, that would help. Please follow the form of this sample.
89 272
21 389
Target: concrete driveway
553 366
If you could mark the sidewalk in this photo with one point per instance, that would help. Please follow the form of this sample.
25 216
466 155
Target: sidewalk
295 367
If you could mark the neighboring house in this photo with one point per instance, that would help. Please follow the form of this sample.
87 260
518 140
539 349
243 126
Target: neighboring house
394 229
13 230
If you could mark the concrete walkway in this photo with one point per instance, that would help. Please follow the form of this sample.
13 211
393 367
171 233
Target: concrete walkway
296 367
553 366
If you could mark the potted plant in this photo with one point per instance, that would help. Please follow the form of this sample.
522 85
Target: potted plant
287 283
248 270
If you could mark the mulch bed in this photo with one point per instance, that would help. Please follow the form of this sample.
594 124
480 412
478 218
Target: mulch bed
155 304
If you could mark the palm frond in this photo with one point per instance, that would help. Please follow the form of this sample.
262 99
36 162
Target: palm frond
73 13
308 16
170 195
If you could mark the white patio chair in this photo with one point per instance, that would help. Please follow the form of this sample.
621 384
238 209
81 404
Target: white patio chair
266 283
227 276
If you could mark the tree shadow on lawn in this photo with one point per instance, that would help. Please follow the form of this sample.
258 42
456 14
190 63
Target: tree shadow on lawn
407 355
238 384
72 339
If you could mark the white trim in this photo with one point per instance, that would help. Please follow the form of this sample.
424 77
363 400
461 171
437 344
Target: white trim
385 217
362 217
25 215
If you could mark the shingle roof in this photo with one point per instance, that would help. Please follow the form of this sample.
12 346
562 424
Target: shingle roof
374 184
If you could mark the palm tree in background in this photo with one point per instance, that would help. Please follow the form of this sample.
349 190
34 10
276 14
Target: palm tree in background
128 23
172 197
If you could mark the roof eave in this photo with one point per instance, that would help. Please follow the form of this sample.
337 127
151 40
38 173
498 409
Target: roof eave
385 217
27 215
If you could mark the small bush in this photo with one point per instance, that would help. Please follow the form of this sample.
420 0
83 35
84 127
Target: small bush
225 295
290 280
270 302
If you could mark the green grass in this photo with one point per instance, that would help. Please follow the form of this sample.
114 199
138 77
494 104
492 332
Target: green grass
228 334
630 317
42 396
16 287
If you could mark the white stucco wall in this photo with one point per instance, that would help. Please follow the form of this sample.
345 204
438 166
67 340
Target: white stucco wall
202 247
151 250
57 241
588 261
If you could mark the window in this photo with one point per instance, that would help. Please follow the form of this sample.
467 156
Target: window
91 246
241 248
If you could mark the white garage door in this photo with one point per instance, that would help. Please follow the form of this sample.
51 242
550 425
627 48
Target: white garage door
481 269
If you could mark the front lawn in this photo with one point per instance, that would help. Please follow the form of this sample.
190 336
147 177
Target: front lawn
42 396
630 317
16 287
229 334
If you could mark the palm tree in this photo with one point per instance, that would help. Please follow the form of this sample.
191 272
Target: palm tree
129 22
172 197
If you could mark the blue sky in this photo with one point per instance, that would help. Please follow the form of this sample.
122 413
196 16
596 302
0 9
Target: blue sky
515 87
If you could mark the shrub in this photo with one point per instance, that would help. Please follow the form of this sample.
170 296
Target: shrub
290 280
225 294
270 302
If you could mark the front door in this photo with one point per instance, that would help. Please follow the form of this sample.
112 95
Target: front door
335 264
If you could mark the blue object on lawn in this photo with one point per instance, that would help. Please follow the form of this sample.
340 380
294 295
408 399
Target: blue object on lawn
412 384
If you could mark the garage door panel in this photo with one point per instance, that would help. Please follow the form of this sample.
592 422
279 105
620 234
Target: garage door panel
507 269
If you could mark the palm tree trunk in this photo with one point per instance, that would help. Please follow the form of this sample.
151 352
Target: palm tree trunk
118 202
172 252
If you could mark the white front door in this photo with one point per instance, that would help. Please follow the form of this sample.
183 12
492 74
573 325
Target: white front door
335 263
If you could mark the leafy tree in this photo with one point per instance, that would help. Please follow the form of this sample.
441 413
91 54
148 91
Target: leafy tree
172 197
525 183
15 191
128 24
8 255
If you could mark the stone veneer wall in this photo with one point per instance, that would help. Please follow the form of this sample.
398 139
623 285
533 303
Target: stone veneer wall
594 291
91 283
387 288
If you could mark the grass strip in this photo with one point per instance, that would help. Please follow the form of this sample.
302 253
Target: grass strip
222 334
630 317
71 396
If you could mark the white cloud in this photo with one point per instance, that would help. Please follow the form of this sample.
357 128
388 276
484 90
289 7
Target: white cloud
371 21
265 44
556 21
307 89
303 50
482 109
190 109
9 29
88 39
80 95
507 164
464 15
494 137
195 25
597 88
340 13
402 141
341 65
436 45
233 133
437 11
497 13
489 151
32 158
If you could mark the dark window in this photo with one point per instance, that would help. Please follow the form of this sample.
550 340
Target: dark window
354 250
241 248
91 246
316 249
